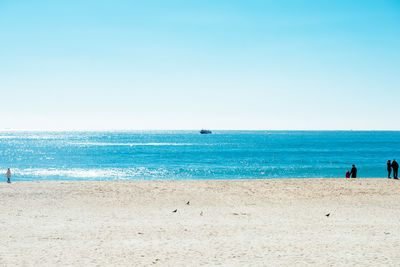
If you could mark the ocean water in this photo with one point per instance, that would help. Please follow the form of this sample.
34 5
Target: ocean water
179 155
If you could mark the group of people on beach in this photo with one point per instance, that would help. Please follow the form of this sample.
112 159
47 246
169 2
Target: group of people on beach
392 166
352 173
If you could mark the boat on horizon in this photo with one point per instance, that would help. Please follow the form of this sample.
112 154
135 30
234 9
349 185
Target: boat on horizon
203 131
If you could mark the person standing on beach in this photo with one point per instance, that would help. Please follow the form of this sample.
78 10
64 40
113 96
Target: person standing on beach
8 174
395 167
389 168
353 171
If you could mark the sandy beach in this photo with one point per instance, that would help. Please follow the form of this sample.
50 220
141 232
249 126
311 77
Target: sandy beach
228 223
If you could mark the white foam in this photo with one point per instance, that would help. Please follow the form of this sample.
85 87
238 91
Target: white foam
116 173
34 137
132 144
7 137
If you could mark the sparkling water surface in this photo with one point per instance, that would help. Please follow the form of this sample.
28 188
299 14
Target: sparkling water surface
177 155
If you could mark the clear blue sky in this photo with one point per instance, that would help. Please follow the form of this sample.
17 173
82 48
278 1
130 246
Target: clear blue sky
220 64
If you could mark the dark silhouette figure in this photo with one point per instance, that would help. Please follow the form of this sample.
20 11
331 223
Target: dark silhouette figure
347 174
327 215
174 210
395 167
353 171
188 203
389 168
8 174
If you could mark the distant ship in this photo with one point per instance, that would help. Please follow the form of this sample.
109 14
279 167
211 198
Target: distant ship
205 131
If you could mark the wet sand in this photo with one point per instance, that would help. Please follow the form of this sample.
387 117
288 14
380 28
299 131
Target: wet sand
243 223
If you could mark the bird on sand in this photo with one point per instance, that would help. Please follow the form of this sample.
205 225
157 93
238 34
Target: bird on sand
327 215
174 210
201 213
188 203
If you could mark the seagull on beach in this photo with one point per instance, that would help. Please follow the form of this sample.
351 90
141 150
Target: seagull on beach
327 215
174 210
188 203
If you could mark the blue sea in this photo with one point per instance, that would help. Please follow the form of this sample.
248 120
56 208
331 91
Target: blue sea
182 155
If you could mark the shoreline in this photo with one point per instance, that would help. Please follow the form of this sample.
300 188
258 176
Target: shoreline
205 179
227 222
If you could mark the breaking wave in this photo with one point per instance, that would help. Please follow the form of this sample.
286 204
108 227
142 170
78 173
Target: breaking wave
133 144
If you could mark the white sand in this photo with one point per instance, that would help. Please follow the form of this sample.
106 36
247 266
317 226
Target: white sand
244 223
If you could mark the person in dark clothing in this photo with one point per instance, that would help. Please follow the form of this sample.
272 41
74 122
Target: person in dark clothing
8 175
389 168
395 167
353 171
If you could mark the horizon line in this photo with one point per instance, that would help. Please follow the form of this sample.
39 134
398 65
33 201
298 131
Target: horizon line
138 130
